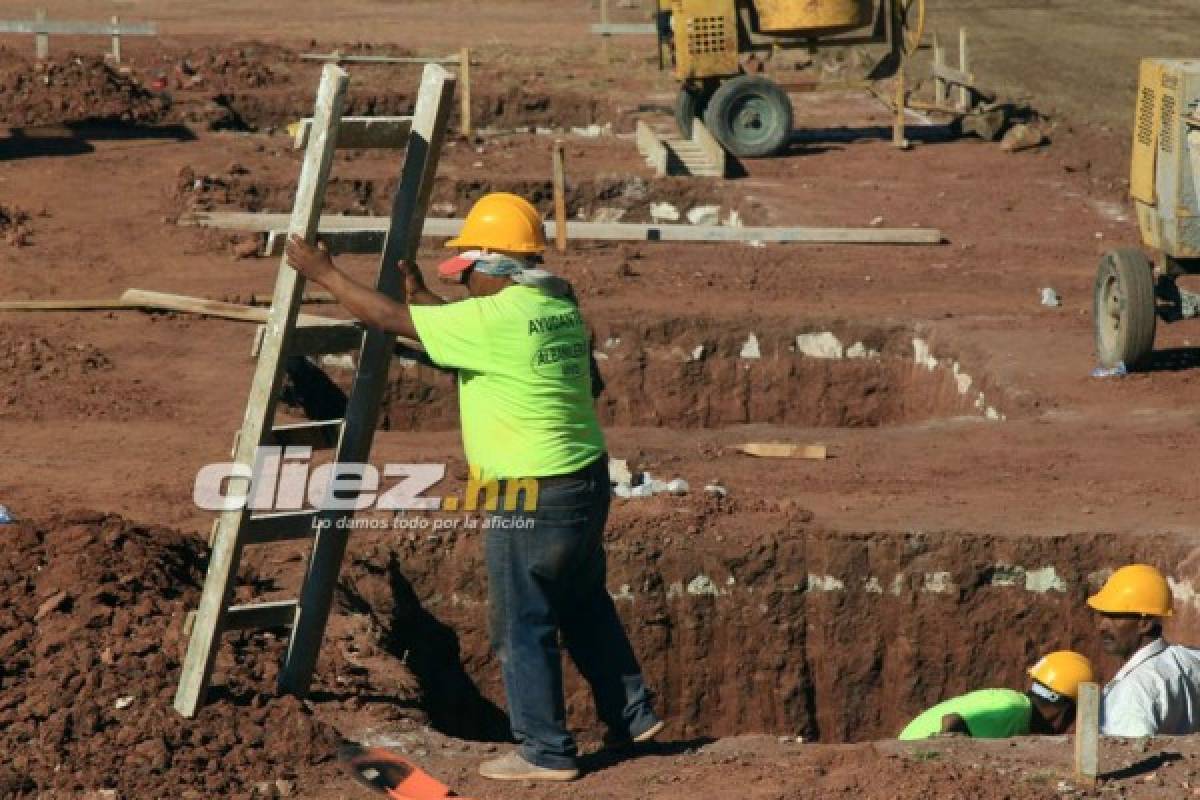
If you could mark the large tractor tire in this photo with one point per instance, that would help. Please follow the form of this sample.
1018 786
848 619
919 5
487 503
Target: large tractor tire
1123 308
750 116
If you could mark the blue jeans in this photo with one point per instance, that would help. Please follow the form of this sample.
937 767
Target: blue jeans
546 576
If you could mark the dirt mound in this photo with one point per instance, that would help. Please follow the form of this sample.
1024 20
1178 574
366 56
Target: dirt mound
91 635
241 65
75 89
44 376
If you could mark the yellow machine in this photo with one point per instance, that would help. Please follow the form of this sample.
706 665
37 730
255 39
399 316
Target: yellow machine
1165 187
718 48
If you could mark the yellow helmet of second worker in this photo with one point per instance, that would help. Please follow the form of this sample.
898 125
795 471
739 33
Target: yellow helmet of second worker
502 221
1063 671
1136 589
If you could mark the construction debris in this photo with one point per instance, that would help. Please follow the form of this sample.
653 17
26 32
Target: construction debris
815 452
1022 137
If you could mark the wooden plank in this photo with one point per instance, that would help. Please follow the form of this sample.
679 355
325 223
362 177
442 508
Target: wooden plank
939 84
43 27
625 29
1087 734
321 435
338 58
362 133
285 526
409 208
598 231
116 40
277 614
898 139
64 305
815 452
264 390
161 301
560 196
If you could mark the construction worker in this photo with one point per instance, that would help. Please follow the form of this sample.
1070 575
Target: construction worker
1157 691
1048 706
525 379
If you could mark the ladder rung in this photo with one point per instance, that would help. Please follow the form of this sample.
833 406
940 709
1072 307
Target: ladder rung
260 615
316 340
320 435
285 527
360 133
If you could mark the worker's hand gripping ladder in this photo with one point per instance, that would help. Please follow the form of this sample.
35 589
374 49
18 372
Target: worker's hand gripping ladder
236 529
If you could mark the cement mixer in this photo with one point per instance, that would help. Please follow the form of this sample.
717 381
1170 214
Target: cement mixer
718 49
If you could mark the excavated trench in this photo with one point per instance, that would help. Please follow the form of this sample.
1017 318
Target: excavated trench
749 621
700 372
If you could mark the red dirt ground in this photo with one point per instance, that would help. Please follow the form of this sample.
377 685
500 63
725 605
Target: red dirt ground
116 411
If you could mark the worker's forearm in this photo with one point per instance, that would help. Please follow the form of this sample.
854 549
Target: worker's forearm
374 308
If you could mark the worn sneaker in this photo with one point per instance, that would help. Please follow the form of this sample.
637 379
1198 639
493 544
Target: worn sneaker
512 767
612 742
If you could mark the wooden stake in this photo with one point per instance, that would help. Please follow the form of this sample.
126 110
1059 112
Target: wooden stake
604 37
964 94
898 139
560 196
939 85
1087 734
41 39
116 40
464 80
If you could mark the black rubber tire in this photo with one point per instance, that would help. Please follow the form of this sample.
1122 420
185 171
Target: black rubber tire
689 104
751 116
1123 308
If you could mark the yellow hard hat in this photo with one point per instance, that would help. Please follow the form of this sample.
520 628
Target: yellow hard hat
1063 671
1136 589
502 221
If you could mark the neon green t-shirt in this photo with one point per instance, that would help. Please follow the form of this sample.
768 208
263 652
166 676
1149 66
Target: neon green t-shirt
524 381
989 714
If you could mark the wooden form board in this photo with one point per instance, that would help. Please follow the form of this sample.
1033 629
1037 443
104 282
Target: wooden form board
624 29
331 226
65 28
356 59
143 300
358 133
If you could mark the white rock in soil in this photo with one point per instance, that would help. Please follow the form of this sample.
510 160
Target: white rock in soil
641 491
618 471
656 486
698 353
678 486
443 209
611 342
704 215
733 220
1051 298
608 215
717 489
876 222
820 345
860 350
123 702
540 131
623 490
756 243
701 585
664 212
592 131
751 349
